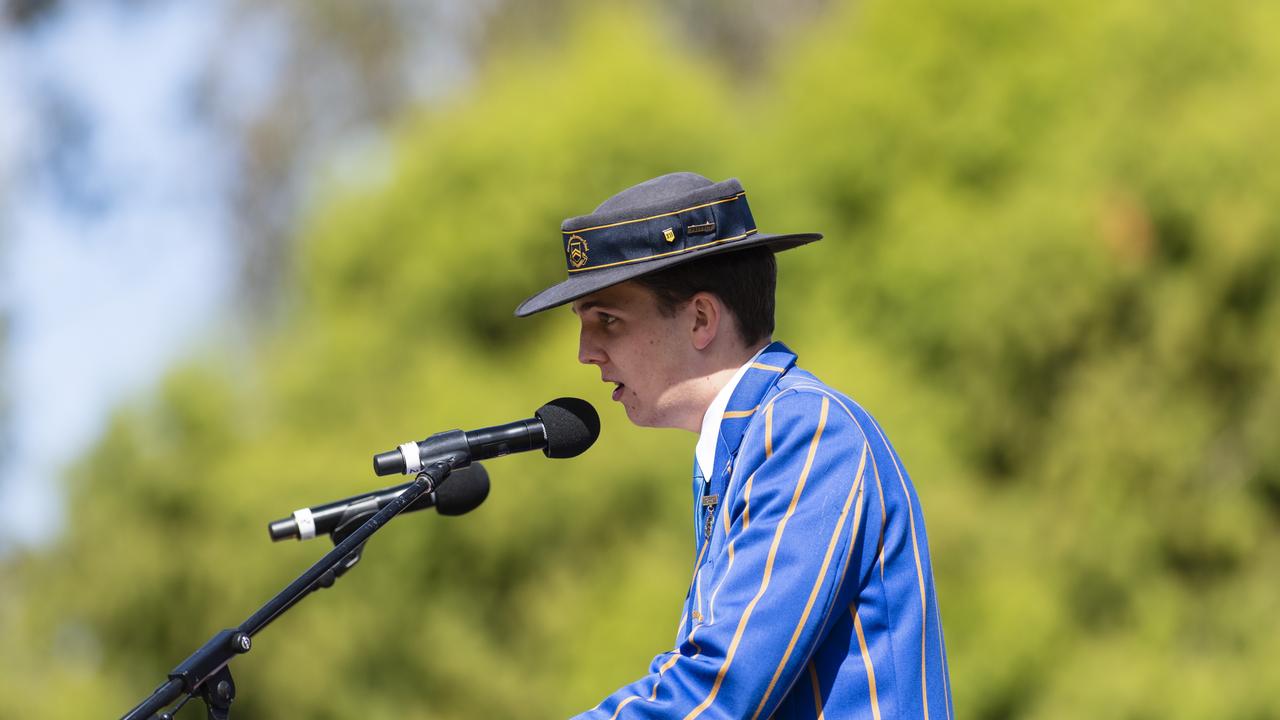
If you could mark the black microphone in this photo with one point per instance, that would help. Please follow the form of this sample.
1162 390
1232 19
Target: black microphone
460 493
562 428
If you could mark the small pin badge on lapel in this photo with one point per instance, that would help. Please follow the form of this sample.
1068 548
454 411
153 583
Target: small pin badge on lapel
669 235
709 502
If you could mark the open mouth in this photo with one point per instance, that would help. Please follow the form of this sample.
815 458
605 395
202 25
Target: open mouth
617 391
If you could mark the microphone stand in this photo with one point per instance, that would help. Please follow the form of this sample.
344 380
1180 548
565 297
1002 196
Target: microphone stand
206 673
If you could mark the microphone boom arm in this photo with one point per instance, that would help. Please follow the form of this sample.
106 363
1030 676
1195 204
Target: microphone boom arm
205 672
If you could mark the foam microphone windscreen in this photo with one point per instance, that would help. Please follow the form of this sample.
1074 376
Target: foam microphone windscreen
463 491
571 424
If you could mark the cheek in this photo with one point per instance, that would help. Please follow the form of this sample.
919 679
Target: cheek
657 370
648 360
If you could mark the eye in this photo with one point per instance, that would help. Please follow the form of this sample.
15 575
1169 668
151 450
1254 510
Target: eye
606 319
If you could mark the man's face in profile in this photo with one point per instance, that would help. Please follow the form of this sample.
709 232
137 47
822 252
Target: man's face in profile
644 353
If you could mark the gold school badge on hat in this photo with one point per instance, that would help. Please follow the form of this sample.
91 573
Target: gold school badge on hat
577 251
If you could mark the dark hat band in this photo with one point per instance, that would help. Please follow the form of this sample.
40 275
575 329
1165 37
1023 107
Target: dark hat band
648 238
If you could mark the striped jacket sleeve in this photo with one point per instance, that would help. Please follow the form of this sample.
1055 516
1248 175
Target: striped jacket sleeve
774 573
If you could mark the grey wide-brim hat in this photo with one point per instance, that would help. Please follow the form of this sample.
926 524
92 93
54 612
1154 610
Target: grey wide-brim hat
661 222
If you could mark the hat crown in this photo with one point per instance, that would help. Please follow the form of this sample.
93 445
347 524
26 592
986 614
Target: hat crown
661 190
662 195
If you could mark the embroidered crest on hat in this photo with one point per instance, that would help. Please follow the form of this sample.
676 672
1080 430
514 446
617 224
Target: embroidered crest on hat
669 235
577 251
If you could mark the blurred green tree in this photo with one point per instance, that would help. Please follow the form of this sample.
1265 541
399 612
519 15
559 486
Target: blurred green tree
1051 270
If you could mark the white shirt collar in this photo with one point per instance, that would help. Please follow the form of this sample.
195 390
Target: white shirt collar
705 452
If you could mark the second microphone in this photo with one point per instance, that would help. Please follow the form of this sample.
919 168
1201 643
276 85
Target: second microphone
463 492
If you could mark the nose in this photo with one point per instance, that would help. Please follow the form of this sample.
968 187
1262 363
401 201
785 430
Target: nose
589 351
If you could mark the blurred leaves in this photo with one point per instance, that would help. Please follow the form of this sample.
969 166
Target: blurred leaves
1051 270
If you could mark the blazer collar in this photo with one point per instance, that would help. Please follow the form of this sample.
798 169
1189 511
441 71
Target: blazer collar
761 376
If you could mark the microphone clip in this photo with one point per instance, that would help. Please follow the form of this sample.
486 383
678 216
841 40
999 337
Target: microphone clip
435 474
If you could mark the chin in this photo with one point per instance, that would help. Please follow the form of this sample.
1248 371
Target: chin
639 417
649 419
636 418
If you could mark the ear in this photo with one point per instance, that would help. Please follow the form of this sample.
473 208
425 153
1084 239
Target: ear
707 315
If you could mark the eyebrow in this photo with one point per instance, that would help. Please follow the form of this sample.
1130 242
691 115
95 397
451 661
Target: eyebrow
578 310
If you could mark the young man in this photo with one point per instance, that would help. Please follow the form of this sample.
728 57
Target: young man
812 594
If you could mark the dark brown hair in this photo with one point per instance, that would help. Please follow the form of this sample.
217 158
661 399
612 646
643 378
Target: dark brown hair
743 280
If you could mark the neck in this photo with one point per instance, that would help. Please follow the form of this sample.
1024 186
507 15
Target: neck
720 369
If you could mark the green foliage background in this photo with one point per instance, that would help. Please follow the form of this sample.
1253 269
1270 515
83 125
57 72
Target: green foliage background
1052 270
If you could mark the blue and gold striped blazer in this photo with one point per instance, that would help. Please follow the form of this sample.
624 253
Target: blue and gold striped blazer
812 594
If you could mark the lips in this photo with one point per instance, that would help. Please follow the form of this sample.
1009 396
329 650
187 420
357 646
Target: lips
618 386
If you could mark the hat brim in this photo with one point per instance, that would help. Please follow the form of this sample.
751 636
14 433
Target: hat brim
588 282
